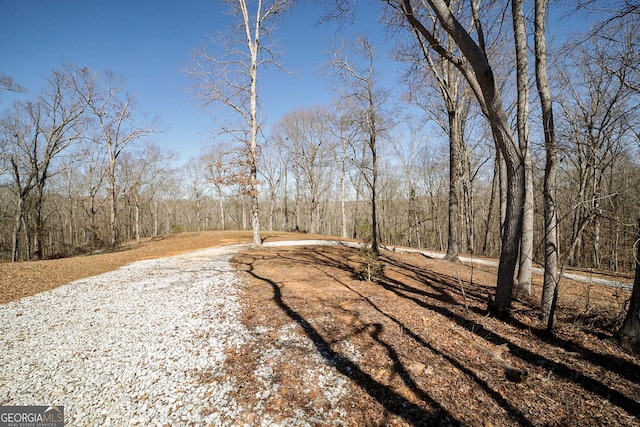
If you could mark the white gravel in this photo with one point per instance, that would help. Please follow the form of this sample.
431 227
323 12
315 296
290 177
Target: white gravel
132 347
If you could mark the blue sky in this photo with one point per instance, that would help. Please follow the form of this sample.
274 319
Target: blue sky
149 43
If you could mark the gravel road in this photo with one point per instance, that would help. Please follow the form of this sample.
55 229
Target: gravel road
131 347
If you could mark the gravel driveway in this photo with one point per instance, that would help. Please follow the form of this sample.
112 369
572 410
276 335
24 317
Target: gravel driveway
131 347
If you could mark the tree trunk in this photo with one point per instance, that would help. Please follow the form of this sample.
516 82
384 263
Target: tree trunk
113 198
374 196
136 215
15 250
467 194
523 283
343 196
453 247
551 164
253 156
486 245
253 120
502 189
481 79
155 217
629 333
39 223
510 240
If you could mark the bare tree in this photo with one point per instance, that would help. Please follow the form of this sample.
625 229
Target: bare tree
39 132
474 64
305 135
407 154
16 138
196 189
218 163
523 282
143 172
619 56
272 170
362 86
92 166
231 80
551 251
598 111
455 97
346 129
114 113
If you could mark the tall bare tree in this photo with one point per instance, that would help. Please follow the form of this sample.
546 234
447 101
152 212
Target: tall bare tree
357 70
428 68
113 109
230 80
40 131
551 254
346 129
523 282
474 64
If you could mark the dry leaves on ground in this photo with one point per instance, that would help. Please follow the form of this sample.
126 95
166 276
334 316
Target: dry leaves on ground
418 350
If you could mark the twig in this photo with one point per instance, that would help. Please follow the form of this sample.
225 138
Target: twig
464 295
511 372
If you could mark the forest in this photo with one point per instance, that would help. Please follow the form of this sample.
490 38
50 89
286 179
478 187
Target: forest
499 143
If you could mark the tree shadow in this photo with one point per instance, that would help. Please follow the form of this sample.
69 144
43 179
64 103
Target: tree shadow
614 364
320 256
514 412
435 293
624 369
392 401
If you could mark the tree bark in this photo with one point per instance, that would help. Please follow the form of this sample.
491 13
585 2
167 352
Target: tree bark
486 245
113 197
629 333
551 164
15 240
523 283
253 119
505 143
481 79
453 247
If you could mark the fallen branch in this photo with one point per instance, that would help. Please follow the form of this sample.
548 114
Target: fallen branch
464 296
511 372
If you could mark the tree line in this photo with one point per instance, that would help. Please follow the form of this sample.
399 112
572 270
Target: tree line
500 144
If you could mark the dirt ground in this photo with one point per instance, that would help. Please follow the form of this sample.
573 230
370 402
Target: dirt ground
415 346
